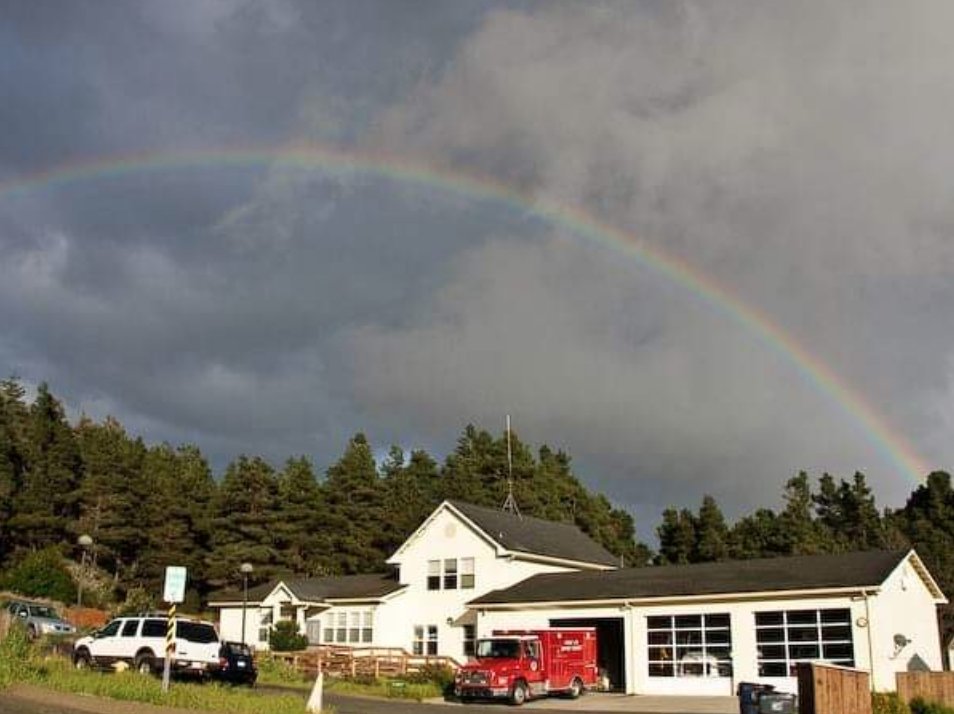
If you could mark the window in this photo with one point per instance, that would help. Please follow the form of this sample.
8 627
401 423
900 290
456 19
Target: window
470 640
265 624
433 575
450 574
425 640
786 637
129 629
467 573
111 629
201 633
154 628
313 631
348 627
689 645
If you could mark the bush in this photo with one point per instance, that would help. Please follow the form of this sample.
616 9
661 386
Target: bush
284 637
41 574
18 661
919 706
276 671
439 674
888 703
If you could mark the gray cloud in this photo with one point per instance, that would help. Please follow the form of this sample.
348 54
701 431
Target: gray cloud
799 156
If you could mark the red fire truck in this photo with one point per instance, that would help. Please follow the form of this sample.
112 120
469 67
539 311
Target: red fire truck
521 664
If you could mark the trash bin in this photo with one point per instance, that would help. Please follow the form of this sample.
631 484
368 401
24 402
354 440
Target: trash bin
749 694
777 703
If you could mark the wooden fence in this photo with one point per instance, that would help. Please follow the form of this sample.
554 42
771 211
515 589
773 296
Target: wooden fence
360 661
930 686
826 689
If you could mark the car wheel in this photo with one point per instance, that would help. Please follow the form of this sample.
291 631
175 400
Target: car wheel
144 663
576 688
81 660
519 694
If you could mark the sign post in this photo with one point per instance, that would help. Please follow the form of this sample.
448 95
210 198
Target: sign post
172 593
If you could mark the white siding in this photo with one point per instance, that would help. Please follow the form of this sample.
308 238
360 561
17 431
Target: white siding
904 606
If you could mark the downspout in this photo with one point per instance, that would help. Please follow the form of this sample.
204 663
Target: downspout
871 662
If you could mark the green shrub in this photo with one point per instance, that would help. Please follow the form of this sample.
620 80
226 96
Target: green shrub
439 674
41 574
138 599
277 671
888 703
919 706
18 660
284 637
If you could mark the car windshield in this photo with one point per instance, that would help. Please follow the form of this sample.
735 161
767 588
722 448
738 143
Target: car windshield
43 611
498 649
237 648
198 632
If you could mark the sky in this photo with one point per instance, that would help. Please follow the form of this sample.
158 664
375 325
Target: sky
699 246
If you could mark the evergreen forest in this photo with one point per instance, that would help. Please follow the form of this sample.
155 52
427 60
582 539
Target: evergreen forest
148 506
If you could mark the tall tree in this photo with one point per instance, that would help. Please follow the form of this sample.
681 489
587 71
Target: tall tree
712 534
410 489
14 415
44 504
758 535
112 495
355 501
303 541
244 526
677 537
800 533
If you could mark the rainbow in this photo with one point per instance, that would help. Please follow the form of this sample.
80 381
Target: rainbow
335 161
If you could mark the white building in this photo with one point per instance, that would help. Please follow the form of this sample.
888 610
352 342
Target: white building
702 629
460 552
692 629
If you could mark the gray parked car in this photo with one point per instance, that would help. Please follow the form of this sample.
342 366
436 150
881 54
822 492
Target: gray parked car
38 619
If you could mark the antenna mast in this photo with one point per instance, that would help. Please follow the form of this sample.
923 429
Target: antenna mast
510 505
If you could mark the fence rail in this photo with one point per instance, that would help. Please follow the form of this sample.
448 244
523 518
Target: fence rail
361 661
826 689
930 686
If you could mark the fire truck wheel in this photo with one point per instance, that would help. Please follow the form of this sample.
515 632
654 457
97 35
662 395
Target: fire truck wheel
576 688
519 694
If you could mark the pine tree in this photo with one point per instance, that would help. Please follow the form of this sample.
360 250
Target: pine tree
355 501
44 504
800 533
302 537
758 535
410 494
677 537
712 534
245 524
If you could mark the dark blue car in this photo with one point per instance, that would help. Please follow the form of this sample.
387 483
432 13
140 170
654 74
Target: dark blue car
236 664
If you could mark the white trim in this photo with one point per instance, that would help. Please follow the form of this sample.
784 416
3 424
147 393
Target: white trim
676 599
921 569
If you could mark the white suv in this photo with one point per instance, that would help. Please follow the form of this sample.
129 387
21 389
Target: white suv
140 642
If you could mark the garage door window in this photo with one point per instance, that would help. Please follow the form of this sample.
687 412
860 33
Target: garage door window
786 637
689 645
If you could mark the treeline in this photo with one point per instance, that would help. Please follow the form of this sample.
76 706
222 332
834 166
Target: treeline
146 507
150 506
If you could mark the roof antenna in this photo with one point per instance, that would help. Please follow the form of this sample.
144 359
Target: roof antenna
510 505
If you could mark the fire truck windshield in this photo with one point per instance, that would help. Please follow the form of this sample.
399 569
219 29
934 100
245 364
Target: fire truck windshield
498 649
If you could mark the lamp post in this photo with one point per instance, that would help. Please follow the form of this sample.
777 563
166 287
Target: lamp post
85 542
245 568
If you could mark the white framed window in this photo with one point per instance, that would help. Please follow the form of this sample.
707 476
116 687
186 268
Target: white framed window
425 640
450 574
689 645
470 640
467 573
350 627
264 624
786 637
433 575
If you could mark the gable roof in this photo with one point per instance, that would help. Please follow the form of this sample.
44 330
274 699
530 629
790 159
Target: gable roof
535 536
323 589
801 572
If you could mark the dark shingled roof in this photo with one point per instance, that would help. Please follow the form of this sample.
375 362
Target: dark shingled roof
535 536
801 572
372 585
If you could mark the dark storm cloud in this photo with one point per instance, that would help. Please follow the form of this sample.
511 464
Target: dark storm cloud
799 156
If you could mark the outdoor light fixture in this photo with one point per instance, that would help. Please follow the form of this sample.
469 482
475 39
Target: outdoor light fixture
85 542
